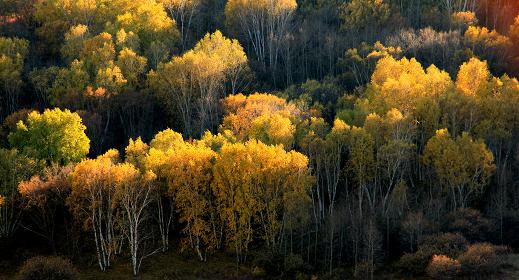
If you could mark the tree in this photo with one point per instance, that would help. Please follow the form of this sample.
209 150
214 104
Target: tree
264 24
241 112
147 19
136 152
134 193
196 81
132 66
462 165
368 14
189 173
473 77
14 168
257 184
273 130
42 199
54 136
402 83
92 203
12 56
182 11
163 145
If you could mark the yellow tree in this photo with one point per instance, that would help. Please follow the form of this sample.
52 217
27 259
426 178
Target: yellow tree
189 176
182 11
134 194
473 77
136 152
148 20
163 145
241 111
195 81
263 23
257 184
463 166
401 83
132 66
273 130
92 203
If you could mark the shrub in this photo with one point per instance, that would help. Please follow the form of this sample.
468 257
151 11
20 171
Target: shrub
448 244
482 258
414 263
470 223
47 268
443 267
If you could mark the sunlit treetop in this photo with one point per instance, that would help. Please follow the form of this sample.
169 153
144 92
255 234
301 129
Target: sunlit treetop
242 111
464 19
147 18
167 140
135 153
229 51
473 77
484 37
401 83
55 136
271 7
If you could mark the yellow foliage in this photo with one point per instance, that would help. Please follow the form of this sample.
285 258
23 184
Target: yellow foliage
253 180
467 18
136 152
236 8
273 130
189 176
401 83
241 113
486 38
473 77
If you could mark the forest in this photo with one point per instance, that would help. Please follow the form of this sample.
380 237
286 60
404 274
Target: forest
259 139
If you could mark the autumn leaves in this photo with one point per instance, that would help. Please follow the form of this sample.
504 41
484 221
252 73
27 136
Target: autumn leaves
225 198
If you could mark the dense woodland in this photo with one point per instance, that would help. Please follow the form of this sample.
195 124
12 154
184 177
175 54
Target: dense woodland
308 139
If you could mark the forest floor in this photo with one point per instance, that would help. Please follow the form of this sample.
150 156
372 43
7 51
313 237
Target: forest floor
512 269
171 266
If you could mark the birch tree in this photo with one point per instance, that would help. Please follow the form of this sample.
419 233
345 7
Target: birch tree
264 24
92 202
134 193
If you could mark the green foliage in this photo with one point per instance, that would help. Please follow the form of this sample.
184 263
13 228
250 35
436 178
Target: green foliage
359 14
54 136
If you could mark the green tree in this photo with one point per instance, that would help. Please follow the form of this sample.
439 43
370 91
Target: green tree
12 56
14 168
54 136
463 166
